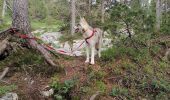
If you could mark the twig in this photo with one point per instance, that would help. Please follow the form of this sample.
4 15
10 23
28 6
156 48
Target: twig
3 45
115 77
94 95
4 31
4 73
166 54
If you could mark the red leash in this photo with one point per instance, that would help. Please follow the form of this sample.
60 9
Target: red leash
25 36
90 36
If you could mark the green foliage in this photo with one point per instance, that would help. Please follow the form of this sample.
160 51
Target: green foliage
5 89
95 75
165 24
37 9
157 88
21 57
62 89
101 86
119 92
28 60
136 19
67 37
117 52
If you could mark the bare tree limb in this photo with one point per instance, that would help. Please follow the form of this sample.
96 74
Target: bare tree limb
167 54
3 45
4 73
160 39
94 95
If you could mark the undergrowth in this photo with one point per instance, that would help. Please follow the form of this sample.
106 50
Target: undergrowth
140 72
6 89
27 61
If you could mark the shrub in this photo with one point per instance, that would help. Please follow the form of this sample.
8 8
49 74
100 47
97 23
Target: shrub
119 92
62 90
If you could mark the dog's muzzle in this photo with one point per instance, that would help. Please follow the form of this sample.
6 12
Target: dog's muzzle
76 29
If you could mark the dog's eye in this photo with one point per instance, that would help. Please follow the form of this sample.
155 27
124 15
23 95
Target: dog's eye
83 30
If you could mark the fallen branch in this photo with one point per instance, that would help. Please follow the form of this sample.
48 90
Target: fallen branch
160 39
94 95
2 33
167 54
4 73
3 45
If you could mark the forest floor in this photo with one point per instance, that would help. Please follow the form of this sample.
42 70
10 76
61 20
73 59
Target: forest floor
123 73
28 85
29 75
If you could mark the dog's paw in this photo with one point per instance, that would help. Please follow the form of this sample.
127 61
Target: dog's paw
87 61
92 63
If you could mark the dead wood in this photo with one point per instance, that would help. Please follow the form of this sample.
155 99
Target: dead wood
167 54
93 97
3 45
159 40
4 73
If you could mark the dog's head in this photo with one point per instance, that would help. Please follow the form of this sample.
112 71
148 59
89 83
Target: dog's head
78 28
82 26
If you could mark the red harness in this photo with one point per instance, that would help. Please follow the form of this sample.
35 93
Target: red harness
90 36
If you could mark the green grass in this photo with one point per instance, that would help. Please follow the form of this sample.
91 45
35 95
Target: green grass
47 25
5 89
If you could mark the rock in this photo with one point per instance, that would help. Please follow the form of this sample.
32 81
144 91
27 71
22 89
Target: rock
10 96
47 91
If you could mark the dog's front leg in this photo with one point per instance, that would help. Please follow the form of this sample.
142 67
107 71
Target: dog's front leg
87 55
92 54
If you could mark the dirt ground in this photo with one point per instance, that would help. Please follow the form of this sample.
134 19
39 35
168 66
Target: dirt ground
30 85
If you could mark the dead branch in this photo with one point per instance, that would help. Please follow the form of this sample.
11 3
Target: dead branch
158 40
4 73
4 31
3 45
167 54
94 95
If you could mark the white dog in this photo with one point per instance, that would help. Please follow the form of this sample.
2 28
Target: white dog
93 38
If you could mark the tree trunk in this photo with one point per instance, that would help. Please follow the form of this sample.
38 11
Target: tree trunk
4 9
73 16
102 11
21 21
158 15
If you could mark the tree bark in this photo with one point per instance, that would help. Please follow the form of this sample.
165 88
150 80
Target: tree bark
4 9
20 20
73 16
102 11
158 15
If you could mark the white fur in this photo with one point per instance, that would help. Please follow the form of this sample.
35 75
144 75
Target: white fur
94 42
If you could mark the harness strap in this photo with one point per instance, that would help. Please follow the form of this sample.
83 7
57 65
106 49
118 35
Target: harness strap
90 36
